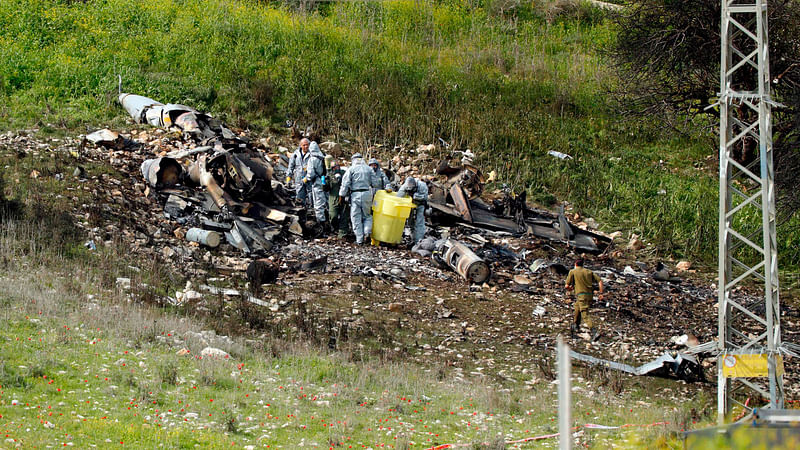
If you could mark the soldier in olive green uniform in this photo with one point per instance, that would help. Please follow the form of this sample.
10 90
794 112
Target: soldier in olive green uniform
582 280
339 211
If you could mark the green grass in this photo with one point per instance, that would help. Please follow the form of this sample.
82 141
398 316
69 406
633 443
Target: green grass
96 389
508 80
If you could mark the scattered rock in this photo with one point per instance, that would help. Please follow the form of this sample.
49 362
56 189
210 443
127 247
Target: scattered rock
188 296
629 271
395 307
635 244
426 148
683 266
522 279
123 283
262 271
332 148
214 353
689 340
316 264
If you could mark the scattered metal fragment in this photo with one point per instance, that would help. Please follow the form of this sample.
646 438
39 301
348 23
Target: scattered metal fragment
104 137
662 273
176 206
558 269
683 366
161 173
564 226
409 287
461 201
216 226
463 260
538 264
559 155
254 237
200 175
205 237
235 239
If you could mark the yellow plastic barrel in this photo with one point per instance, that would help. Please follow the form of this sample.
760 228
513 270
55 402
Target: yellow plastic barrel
389 214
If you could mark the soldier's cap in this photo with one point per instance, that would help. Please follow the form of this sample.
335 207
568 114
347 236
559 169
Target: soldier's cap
374 161
356 156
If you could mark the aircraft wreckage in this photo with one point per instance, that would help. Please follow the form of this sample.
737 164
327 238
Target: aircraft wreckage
224 184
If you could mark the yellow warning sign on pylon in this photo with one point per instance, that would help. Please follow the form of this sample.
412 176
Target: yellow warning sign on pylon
752 365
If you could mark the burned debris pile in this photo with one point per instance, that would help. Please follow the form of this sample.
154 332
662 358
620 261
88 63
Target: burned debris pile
215 183
220 187
457 199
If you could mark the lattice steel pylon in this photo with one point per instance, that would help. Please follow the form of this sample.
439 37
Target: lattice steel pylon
749 329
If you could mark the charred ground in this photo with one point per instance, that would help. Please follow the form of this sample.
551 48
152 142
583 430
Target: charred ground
383 302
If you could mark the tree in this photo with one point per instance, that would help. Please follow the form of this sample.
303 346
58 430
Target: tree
667 54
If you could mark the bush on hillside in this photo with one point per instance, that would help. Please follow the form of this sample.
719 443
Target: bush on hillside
667 54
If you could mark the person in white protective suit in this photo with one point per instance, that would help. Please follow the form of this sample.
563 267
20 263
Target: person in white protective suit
383 180
315 176
297 171
357 184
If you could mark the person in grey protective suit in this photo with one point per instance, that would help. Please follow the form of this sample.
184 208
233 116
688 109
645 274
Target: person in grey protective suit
383 180
357 184
297 171
418 191
315 171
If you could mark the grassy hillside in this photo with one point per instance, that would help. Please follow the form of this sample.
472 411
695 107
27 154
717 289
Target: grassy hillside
510 80
104 373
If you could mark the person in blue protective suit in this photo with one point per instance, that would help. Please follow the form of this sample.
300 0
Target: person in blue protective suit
383 180
297 171
357 184
418 191
315 176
